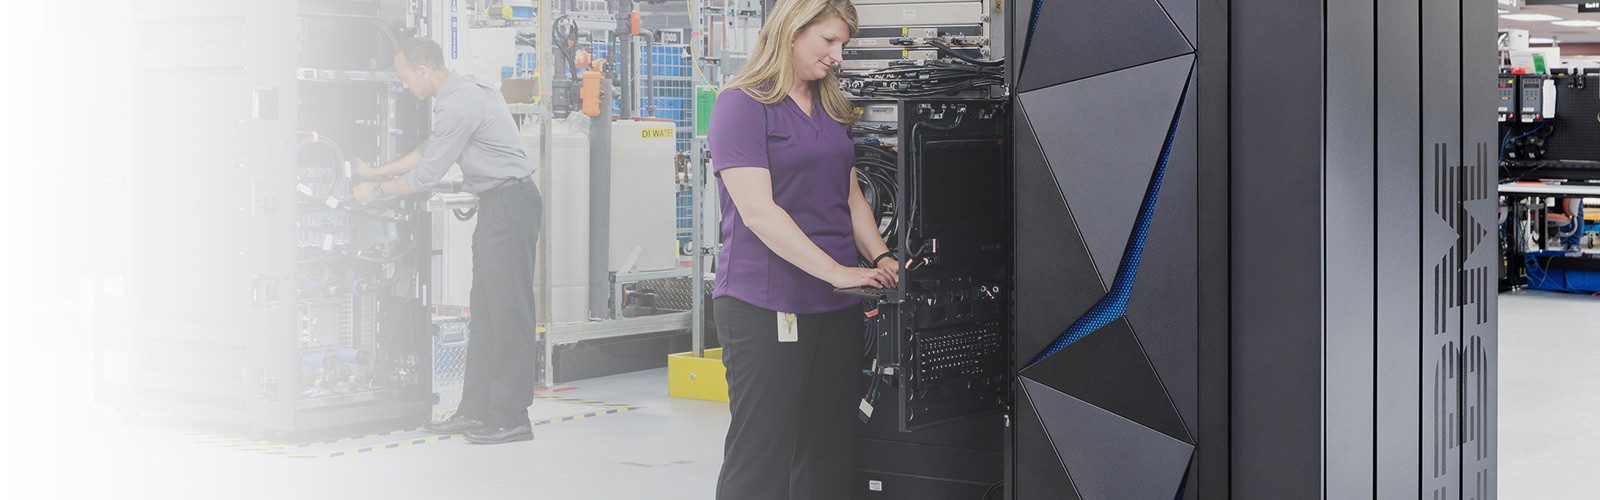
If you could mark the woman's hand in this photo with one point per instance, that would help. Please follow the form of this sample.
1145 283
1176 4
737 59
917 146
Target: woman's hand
849 277
890 266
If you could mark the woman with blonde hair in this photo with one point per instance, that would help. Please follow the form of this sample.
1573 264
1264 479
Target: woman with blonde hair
794 220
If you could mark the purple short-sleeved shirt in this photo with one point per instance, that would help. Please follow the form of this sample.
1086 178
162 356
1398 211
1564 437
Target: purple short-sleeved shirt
809 159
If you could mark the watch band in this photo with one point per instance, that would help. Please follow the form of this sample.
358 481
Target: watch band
880 257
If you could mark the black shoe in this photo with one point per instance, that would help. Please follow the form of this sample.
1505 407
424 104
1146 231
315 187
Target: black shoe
456 424
500 435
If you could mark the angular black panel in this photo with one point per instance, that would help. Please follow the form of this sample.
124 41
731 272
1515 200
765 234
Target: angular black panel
1109 456
1056 281
1086 38
1102 138
1161 309
1039 471
1109 370
1183 14
1190 477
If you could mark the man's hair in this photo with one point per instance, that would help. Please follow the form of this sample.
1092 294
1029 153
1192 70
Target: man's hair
423 52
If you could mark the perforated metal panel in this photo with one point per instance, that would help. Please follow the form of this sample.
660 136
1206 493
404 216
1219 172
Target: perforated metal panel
449 362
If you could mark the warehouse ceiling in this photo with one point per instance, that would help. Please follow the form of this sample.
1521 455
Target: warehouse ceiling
1548 29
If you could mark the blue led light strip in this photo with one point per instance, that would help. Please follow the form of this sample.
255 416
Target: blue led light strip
1115 303
1032 21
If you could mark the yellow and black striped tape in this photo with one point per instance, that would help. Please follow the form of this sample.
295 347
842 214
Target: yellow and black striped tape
585 401
586 415
268 448
389 446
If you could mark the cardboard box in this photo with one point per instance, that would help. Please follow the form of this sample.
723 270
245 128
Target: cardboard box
519 90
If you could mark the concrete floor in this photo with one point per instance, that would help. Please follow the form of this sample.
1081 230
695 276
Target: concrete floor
1549 395
669 448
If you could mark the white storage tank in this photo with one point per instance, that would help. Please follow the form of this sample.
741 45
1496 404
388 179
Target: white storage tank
643 195
567 202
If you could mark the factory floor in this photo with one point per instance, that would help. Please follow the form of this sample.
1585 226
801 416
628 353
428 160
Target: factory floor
1549 394
655 447
622 437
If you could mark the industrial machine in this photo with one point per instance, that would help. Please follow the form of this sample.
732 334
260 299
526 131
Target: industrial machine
289 306
894 32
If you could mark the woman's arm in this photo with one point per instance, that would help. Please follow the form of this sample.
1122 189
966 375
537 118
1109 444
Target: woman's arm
869 242
751 190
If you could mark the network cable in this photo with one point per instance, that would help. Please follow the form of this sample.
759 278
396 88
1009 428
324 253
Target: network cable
924 78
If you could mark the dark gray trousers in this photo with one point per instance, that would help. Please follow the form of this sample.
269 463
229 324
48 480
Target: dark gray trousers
501 351
793 403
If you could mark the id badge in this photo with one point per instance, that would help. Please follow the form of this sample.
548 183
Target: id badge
788 327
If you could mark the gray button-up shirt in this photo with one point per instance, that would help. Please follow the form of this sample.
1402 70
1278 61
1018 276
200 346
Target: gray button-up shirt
472 126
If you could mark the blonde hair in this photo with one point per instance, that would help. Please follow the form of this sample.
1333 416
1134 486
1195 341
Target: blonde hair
770 71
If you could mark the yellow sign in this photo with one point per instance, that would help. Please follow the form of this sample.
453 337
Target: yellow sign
657 133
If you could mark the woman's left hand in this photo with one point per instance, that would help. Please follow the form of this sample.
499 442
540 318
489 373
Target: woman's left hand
892 268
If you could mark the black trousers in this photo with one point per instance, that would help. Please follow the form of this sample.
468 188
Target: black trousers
501 351
793 403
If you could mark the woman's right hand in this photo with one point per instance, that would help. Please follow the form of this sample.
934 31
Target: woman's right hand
849 277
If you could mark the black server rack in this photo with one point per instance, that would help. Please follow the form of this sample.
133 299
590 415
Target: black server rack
941 371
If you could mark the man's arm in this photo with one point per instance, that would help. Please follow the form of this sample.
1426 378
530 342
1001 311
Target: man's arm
405 164
367 191
453 125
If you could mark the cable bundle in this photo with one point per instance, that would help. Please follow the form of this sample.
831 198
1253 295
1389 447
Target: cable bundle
926 78
876 166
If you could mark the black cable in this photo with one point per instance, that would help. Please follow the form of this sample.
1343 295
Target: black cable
396 256
313 260
958 55
465 215
340 182
996 487
906 79
566 33
882 200
875 167
916 180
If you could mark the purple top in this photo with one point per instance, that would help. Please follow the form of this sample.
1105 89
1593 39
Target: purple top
809 159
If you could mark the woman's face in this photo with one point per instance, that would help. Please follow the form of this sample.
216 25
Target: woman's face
818 48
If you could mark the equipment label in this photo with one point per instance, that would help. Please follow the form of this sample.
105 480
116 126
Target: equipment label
656 133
